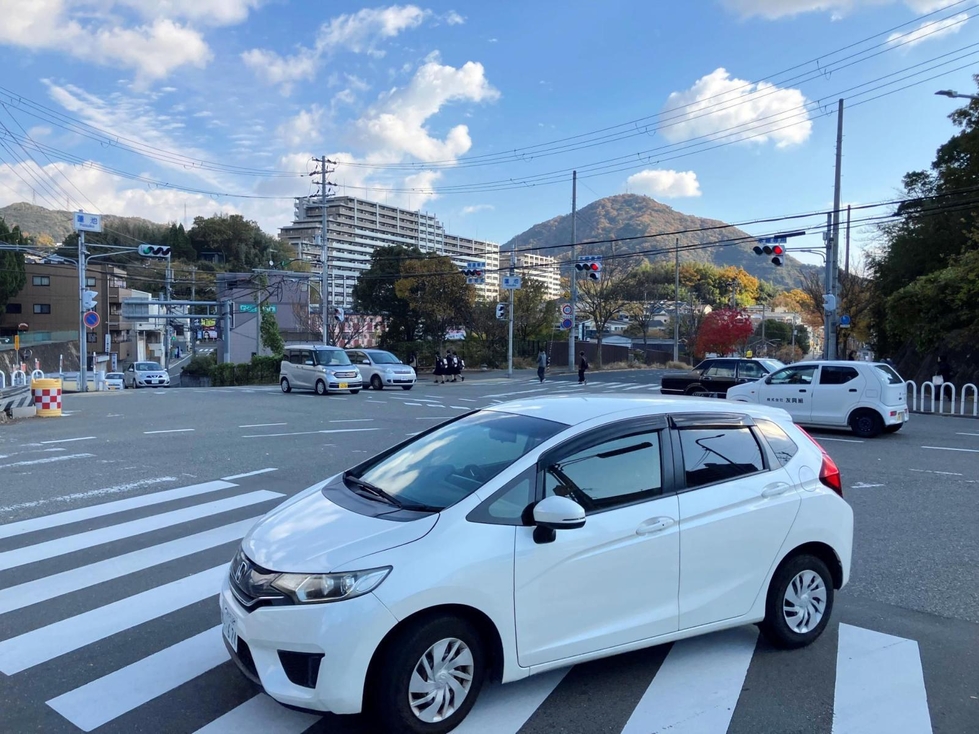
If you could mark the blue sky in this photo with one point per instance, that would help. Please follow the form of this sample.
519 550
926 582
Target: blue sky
716 107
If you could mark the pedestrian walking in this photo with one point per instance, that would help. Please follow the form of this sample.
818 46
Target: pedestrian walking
452 361
541 365
461 366
439 368
582 368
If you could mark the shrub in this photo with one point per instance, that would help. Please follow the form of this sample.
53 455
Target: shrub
671 365
260 371
200 365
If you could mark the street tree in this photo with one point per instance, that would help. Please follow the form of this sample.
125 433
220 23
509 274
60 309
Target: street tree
13 276
854 300
722 331
375 293
435 290
533 315
270 334
603 300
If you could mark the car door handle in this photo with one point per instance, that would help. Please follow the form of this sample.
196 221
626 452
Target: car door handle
802 389
853 389
655 525
774 490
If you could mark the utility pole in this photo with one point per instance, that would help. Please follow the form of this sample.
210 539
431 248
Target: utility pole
827 316
509 349
764 343
847 259
193 297
676 303
82 332
325 167
834 261
166 331
574 272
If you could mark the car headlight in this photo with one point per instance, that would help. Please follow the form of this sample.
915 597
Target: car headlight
325 587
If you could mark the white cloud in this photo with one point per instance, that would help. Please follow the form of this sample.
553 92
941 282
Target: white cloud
360 32
773 9
475 208
453 18
929 31
664 184
719 105
212 12
304 129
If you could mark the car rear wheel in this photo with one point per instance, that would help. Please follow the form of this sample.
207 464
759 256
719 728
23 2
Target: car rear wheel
284 384
866 423
376 383
696 390
893 429
799 603
427 679
320 387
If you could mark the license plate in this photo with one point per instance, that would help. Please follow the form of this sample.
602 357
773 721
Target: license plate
343 385
229 628
900 416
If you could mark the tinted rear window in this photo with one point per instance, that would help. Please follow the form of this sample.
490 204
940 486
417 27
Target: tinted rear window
782 446
719 454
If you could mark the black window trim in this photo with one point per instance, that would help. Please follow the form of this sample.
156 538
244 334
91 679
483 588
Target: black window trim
619 429
480 514
707 421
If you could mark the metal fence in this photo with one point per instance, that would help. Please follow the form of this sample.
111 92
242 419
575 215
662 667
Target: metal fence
941 399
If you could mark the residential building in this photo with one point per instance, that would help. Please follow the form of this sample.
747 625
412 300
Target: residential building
543 269
357 227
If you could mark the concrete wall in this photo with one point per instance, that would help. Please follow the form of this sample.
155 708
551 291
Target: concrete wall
48 354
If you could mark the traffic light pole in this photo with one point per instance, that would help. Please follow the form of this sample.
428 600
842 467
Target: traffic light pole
82 329
574 272
509 348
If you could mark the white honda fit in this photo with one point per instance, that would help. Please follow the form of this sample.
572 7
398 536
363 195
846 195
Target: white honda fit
532 536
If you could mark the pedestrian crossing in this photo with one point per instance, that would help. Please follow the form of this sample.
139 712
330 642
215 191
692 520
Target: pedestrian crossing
108 619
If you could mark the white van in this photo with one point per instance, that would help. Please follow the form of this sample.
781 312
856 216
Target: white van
320 368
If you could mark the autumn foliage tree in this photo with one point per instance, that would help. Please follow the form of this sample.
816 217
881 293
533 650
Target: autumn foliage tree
721 331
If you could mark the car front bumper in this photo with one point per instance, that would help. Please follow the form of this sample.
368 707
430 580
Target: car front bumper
353 383
345 633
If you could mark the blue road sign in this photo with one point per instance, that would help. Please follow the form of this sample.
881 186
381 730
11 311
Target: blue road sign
91 319
566 324
844 320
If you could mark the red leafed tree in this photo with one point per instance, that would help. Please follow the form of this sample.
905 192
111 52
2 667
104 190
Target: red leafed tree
721 331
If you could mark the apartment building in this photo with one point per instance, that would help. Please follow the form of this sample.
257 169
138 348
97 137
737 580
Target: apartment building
357 227
543 269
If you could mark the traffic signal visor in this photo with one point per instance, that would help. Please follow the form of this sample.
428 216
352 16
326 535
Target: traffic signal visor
88 300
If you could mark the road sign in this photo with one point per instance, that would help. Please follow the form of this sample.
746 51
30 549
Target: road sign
88 222
253 308
91 319
845 322
16 342
511 282
566 309
566 324
154 251
108 342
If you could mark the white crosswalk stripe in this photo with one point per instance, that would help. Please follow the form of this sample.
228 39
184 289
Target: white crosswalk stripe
879 684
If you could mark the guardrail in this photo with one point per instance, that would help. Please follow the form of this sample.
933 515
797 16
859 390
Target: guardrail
936 398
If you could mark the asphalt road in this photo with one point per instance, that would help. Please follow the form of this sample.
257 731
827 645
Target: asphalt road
156 469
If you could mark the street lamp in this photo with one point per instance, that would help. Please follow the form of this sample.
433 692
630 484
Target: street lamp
955 95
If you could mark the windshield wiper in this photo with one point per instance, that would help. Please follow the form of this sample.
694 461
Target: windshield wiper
373 489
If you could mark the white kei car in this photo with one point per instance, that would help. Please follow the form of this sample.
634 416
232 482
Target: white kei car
868 397
530 536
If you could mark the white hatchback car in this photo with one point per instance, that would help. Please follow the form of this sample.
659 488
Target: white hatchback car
531 536
868 397
146 374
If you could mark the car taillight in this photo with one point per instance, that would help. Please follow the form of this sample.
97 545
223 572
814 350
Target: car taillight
829 473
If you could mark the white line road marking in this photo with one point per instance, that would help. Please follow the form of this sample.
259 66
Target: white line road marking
128 487
119 692
861 485
840 440
416 433
171 430
248 474
108 508
434 418
39 590
879 684
466 400
47 643
503 709
634 387
68 440
309 433
73 543
354 420
957 433
415 404
932 471
517 392
943 448
49 460
260 715
262 425
697 687
460 407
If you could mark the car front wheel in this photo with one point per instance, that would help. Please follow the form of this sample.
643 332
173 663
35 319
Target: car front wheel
799 603
428 677
284 384
320 387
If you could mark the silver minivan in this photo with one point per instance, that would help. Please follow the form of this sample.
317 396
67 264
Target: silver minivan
381 369
318 367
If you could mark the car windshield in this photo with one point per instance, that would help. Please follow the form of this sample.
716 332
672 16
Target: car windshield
772 364
384 358
114 376
148 366
331 357
890 376
447 465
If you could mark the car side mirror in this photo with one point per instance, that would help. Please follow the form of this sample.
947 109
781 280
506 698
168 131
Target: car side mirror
768 380
365 361
556 513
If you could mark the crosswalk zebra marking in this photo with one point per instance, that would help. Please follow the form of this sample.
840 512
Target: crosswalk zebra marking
39 590
123 690
634 387
60 638
260 715
879 684
503 709
698 685
70 544
109 508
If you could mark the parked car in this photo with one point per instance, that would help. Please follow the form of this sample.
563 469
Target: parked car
497 545
146 374
716 376
320 368
379 369
115 381
868 397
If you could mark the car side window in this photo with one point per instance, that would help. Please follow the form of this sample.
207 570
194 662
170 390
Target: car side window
721 369
704 366
609 474
782 446
713 455
801 375
295 357
834 375
508 506
750 370
308 358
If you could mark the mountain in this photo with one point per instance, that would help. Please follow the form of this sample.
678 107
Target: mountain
42 223
630 215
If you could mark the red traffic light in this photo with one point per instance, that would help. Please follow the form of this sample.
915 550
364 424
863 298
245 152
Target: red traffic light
594 266
778 250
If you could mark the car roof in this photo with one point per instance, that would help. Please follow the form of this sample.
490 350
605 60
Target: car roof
832 363
572 410
314 346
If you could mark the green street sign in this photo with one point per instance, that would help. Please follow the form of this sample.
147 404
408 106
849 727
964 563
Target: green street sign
253 308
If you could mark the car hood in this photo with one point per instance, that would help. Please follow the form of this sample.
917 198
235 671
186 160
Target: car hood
312 534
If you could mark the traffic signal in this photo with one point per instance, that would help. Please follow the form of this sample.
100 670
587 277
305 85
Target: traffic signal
338 314
154 251
88 300
829 302
590 264
595 272
501 312
779 252
472 273
775 251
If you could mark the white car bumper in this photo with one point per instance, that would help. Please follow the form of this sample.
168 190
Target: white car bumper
344 633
